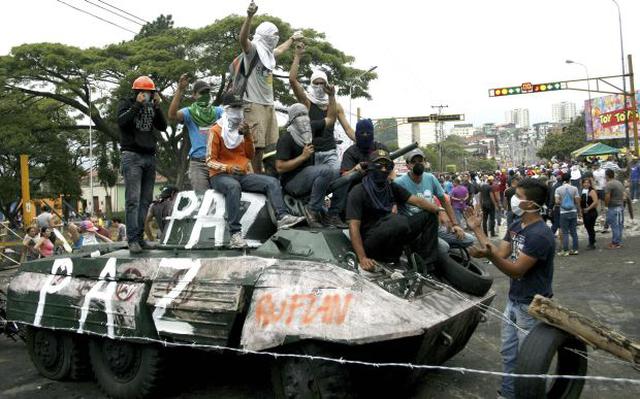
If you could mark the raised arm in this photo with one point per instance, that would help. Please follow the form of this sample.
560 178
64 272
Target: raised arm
301 96
330 120
246 27
175 115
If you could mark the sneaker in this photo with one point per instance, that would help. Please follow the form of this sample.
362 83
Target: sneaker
237 242
574 252
563 253
134 248
313 218
287 221
335 221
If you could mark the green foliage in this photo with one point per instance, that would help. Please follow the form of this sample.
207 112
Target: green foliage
38 128
91 81
482 164
452 150
560 145
386 132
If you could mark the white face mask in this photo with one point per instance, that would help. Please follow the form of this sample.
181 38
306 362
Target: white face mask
302 124
271 41
318 90
515 207
234 116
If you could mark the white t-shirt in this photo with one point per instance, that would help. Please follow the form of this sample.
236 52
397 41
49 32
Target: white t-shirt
600 179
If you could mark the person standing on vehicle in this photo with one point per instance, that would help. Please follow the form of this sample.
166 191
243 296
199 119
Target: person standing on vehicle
230 150
138 117
614 201
198 118
589 204
317 102
378 232
568 199
259 108
526 255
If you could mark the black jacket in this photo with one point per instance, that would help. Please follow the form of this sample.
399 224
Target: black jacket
136 122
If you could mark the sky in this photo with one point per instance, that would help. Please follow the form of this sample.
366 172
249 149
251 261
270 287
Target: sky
426 52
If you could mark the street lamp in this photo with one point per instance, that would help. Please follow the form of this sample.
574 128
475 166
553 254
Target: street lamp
588 79
624 79
351 89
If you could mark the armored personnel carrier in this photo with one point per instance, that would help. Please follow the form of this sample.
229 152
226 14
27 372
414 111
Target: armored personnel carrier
296 291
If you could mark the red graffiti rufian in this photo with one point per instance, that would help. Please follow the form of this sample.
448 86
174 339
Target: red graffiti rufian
303 309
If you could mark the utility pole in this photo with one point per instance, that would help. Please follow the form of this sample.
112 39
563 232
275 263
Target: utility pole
440 132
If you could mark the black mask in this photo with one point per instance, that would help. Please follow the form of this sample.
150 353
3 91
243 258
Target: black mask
418 169
379 177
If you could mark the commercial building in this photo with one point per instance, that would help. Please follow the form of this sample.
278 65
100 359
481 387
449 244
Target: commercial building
518 116
563 112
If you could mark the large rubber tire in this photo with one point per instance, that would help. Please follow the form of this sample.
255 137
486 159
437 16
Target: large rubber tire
535 357
298 378
57 355
126 370
465 274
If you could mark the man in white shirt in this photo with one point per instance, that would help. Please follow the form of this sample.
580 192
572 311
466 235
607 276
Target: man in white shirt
599 183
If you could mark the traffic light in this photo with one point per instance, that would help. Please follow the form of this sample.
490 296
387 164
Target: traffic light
526 88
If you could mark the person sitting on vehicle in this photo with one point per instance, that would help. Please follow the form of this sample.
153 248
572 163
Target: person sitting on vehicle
364 145
29 242
317 102
198 118
230 152
378 232
298 173
526 255
159 210
45 244
424 185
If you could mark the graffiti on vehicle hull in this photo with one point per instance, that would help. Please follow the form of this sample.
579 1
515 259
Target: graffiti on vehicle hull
60 277
303 309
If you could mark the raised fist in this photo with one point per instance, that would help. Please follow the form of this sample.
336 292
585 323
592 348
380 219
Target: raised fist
252 10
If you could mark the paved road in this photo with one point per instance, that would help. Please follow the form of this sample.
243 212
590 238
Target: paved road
601 284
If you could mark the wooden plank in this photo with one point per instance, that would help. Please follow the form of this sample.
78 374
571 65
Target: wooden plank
589 331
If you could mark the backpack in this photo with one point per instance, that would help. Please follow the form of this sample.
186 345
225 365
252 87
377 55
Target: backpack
239 75
567 204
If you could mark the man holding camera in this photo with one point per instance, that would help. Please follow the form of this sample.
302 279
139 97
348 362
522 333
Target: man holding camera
230 151
138 117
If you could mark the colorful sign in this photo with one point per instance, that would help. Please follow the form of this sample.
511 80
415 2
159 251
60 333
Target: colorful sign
608 117
527 88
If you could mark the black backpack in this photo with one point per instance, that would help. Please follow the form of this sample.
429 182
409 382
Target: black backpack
239 75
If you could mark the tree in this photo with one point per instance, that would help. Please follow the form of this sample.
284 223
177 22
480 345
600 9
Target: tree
562 144
90 81
37 128
452 150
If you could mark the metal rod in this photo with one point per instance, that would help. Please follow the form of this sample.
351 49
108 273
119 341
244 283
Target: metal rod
624 81
90 154
634 105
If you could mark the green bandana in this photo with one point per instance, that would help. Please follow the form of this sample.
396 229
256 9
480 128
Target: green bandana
202 113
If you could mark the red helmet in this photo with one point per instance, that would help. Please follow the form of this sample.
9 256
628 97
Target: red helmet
143 83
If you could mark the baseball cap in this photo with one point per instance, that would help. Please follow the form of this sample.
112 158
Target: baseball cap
378 155
413 153
200 85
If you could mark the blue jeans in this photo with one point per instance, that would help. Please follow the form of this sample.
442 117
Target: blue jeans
569 226
314 180
139 171
512 338
615 218
329 158
232 186
459 215
635 189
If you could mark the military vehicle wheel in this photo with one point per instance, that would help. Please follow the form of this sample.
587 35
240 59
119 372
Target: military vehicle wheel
56 355
544 346
125 369
298 378
465 274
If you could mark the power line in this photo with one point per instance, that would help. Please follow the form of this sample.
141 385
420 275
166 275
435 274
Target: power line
95 16
121 10
113 12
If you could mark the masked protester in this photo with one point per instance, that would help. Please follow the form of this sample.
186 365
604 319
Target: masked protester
230 152
299 174
526 255
138 117
364 145
316 100
198 118
378 232
424 185
259 107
